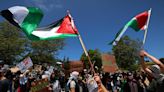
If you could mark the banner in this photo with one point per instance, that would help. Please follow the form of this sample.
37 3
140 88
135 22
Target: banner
109 63
25 64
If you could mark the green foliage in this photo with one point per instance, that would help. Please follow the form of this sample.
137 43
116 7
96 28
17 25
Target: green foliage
42 58
48 46
127 53
15 46
133 67
95 56
45 51
149 63
12 42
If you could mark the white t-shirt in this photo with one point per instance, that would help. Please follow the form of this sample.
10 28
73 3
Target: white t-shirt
56 86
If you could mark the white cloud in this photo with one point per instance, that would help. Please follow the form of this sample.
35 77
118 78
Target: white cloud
47 5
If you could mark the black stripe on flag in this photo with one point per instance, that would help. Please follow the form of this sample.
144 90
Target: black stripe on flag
52 25
9 16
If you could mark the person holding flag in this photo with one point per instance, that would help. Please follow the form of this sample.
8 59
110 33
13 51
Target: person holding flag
155 60
155 72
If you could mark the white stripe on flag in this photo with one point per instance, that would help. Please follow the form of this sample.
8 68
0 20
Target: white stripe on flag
120 35
19 13
46 34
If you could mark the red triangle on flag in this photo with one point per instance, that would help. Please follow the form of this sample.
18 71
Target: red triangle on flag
66 27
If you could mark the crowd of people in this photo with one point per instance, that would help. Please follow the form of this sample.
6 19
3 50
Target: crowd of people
150 79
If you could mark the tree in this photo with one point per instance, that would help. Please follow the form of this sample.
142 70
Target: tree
15 46
95 56
46 51
12 43
127 52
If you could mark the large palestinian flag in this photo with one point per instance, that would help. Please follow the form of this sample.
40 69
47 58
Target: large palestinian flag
59 29
137 23
28 19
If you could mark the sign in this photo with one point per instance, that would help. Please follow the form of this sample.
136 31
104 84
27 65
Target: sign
109 63
25 64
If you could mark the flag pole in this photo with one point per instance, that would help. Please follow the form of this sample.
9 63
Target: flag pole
145 35
86 53
82 44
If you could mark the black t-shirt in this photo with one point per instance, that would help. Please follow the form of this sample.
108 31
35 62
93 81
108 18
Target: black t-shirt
4 85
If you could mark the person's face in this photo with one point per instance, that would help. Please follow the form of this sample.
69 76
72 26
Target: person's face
1 74
53 75
125 76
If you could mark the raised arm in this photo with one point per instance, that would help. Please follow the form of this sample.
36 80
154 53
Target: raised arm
101 87
155 60
145 68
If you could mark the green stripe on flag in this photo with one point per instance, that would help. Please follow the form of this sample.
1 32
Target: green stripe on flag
31 21
133 24
59 36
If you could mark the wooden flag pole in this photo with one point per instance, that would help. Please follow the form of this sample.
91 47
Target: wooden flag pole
86 53
82 44
147 26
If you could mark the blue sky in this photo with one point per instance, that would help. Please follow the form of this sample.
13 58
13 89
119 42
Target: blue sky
98 21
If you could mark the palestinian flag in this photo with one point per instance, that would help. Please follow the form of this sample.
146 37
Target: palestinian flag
60 29
28 19
138 23
25 18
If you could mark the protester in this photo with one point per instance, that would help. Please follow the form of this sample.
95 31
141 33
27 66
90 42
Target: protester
132 83
155 60
50 79
101 87
123 82
82 85
54 80
23 79
4 82
154 73
73 82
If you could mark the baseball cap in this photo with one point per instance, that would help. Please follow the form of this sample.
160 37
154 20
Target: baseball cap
155 71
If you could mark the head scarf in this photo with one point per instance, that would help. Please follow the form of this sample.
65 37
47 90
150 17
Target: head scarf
73 75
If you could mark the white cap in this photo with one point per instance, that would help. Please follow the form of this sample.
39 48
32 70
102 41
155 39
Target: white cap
75 74
155 71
